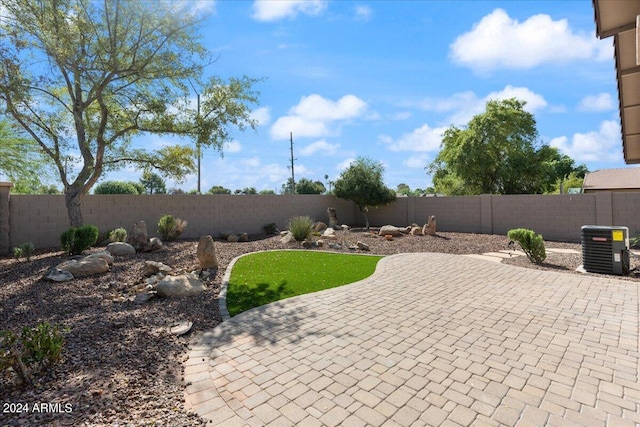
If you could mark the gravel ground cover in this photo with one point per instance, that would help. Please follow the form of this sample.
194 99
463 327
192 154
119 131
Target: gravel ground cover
120 364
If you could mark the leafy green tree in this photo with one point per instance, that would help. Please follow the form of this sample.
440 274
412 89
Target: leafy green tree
362 183
218 189
21 161
152 183
497 153
176 191
403 189
247 190
117 187
573 180
82 78
287 187
306 186
267 192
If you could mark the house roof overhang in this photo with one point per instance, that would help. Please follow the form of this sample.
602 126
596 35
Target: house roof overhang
617 19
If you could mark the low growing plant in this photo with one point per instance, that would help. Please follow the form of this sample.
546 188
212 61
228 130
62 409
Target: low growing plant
118 235
17 252
531 243
300 227
170 227
75 240
270 228
27 250
32 351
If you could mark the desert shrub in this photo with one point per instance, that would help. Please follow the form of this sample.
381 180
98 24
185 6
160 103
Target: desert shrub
270 228
117 187
531 243
300 227
118 235
33 350
170 227
27 250
17 252
75 240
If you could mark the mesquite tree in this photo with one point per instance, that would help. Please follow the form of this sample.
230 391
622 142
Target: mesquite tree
82 78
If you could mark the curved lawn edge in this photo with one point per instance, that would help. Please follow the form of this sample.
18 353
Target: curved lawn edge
222 295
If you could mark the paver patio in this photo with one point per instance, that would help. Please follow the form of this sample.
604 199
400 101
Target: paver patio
429 340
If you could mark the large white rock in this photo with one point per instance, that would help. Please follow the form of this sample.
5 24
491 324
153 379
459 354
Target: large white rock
104 255
87 266
390 229
180 286
120 248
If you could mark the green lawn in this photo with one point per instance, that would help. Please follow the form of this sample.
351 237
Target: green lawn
264 277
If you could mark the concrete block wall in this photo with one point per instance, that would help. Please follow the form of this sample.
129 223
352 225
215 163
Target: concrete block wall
41 219
556 217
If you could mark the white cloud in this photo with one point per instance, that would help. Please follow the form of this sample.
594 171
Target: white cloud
417 161
232 147
498 41
600 102
345 164
313 115
273 10
262 115
322 146
464 105
193 7
603 145
363 13
424 139
252 162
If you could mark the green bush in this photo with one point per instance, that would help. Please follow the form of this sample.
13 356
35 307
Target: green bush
270 228
118 235
75 240
117 187
27 250
17 253
40 346
300 227
170 228
531 243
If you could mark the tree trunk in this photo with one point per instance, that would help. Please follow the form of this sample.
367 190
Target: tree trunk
73 200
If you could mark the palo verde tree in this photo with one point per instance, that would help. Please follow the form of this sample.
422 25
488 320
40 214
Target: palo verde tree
498 153
306 186
22 161
362 183
82 78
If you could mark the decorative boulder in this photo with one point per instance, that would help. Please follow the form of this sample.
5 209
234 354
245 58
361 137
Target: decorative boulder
244 237
104 255
333 218
233 238
287 238
329 232
87 266
154 244
206 253
120 248
154 267
362 246
390 230
56 275
416 231
319 227
180 286
429 228
138 237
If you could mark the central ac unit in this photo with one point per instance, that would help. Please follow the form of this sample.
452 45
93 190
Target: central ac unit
605 249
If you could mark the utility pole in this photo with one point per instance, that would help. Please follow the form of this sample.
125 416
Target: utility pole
293 176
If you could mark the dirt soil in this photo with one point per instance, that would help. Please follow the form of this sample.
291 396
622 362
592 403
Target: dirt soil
120 365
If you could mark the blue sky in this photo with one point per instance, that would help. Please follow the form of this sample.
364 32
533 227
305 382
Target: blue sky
384 79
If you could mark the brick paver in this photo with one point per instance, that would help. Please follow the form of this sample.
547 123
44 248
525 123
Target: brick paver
429 339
